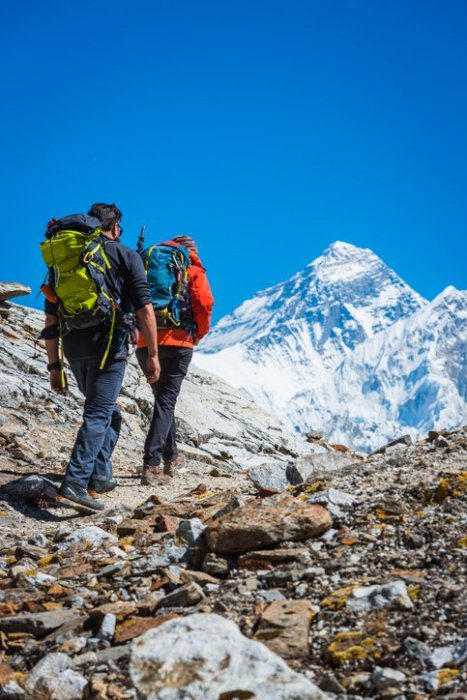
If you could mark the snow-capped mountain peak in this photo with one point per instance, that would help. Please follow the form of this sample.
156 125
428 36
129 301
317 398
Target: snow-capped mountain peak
346 346
343 261
344 296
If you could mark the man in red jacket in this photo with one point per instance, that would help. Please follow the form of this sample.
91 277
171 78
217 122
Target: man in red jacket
175 353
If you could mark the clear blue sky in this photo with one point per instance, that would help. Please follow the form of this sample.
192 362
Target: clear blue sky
265 129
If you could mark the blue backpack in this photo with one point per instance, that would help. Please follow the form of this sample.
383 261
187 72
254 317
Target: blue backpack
166 266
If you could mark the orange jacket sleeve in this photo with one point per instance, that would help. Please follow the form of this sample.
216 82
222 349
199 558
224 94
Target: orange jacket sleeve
201 299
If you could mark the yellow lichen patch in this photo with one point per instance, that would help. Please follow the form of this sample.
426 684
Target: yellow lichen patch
338 598
305 490
420 513
3 513
451 486
352 646
48 559
446 676
462 542
126 541
384 514
202 496
312 614
30 572
413 592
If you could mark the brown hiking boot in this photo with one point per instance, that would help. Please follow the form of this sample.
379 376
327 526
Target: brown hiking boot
153 475
171 465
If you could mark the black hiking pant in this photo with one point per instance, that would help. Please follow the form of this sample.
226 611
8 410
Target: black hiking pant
161 441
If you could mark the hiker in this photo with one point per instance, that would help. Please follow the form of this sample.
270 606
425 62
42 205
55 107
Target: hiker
179 329
91 328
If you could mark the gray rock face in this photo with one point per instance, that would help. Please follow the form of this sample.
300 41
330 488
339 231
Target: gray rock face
306 467
53 679
182 597
107 628
191 530
333 499
386 678
91 534
216 424
270 477
391 595
31 487
205 657
403 440
38 624
10 290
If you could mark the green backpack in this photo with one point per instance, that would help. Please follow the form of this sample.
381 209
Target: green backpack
74 252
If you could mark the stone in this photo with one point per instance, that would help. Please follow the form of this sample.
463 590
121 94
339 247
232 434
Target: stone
307 467
382 678
31 488
163 555
134 527
269 477
403 440
205 657
259 559
415 648
266 523
10 290
392 595
333 499
459 655
215 566
313 435
330 684
67 685
284 627
121 609
38 624
271 594
38 539
6 674
136 626
48 667
182 597
191 531
186 575
107 629
441 678
12 690
90 534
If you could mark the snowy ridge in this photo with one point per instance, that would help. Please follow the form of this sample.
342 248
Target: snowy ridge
347 347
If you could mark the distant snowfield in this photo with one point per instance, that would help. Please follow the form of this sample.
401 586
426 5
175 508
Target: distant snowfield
348 348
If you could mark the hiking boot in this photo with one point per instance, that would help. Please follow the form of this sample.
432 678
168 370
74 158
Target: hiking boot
171 465
153 475
78 498
99 486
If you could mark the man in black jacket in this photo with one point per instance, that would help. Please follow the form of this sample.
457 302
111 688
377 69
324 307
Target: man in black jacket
90 466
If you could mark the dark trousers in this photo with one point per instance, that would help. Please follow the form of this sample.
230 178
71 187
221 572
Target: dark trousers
98 434
161 439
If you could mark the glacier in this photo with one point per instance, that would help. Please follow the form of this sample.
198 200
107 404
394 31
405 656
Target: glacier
347 348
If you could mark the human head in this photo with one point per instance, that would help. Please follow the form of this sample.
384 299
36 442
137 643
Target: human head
186 242
110 216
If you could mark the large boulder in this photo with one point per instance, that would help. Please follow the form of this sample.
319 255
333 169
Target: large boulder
266 523
309 466
205 657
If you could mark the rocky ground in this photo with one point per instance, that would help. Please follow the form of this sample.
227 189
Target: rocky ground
266 569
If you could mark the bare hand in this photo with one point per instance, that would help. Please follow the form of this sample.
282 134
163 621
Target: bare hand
153 369
55 378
